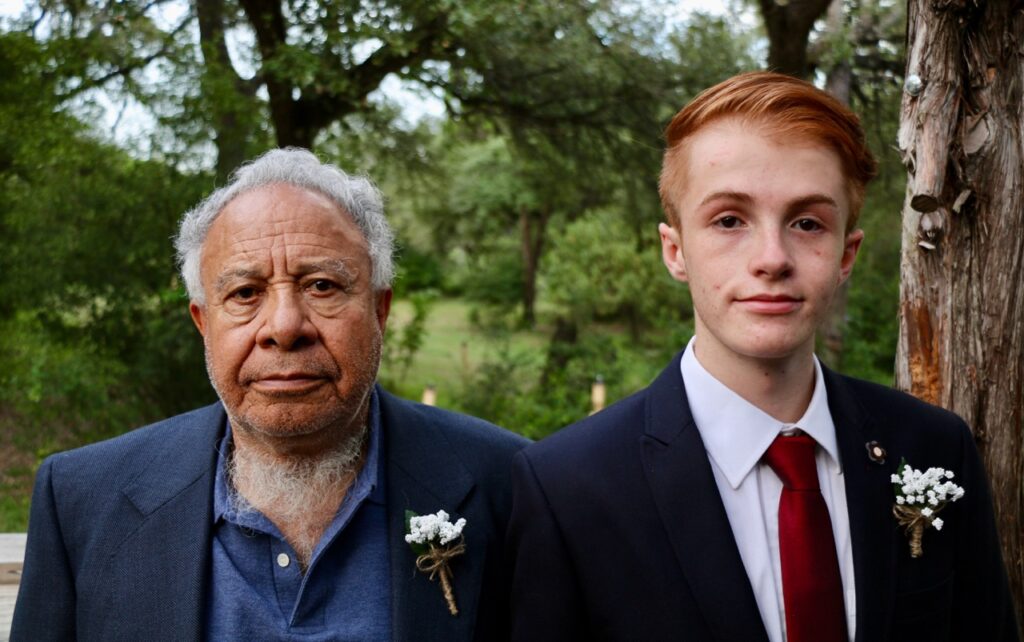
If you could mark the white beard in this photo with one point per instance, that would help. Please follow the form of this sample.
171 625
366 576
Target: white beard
301 491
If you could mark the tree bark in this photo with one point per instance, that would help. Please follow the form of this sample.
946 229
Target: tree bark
839 83
228 96
961 340
532 229
301 108
789 26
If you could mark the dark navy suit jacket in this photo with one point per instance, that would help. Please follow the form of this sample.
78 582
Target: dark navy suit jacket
119 534
618 531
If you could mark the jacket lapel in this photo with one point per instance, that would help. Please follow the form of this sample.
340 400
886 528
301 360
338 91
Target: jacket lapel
683 485
424 476
167 556
868 499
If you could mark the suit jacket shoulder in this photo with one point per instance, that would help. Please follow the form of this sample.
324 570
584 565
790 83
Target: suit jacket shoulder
118 535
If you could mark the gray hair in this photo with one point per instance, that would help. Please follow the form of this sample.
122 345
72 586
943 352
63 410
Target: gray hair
355 195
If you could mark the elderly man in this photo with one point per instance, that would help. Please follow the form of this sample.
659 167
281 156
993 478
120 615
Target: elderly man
278 513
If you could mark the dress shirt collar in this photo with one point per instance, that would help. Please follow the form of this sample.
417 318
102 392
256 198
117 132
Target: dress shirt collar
736 433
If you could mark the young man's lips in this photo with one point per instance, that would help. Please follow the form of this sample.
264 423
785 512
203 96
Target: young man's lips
771 303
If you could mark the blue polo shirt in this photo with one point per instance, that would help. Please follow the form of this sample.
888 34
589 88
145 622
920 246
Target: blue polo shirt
257 589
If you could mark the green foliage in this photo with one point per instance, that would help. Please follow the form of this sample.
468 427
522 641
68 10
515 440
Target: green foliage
417 271
544 173
404 342
595 273
96 336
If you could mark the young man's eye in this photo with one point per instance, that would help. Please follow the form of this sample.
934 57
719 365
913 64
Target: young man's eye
808 225
728 222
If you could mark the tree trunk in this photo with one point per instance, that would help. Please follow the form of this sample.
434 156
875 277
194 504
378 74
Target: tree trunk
532 244
839 83
229 98
962 270
789 25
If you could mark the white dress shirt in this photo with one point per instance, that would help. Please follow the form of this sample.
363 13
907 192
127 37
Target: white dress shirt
736 435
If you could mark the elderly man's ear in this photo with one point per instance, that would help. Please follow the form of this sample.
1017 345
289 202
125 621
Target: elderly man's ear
672 251
383 307
196 312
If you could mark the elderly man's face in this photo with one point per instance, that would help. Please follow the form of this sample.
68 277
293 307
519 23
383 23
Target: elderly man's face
291 324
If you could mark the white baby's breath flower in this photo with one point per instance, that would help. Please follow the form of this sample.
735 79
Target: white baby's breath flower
919 498
424 529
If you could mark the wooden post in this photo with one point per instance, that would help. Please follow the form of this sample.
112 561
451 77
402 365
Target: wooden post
598 394
12 553
430 396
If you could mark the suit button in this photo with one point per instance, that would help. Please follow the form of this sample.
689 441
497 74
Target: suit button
283 560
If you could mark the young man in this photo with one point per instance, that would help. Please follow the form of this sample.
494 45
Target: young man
747 494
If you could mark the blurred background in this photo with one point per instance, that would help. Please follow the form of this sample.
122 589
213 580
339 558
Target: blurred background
517 142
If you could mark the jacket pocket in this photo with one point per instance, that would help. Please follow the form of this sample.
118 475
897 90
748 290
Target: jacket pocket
923 614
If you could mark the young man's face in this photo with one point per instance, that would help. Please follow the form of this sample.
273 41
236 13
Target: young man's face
762 242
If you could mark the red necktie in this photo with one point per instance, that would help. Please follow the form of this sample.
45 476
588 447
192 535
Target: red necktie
811 585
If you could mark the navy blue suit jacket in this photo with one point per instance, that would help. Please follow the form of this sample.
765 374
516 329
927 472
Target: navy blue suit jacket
119 533
618 531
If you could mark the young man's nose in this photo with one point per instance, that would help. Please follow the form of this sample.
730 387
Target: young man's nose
771 256
286 323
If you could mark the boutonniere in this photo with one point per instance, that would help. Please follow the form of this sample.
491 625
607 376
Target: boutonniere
919 498
436 541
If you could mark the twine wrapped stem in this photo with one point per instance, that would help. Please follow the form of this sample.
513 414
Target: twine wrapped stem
914 522
435 562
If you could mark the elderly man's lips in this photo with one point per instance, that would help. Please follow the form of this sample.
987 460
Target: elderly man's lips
771 304
287 384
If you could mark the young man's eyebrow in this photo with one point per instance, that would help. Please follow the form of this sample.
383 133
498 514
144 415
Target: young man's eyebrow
740 197
813 199
746 199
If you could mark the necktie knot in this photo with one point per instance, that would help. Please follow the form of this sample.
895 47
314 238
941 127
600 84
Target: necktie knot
792 459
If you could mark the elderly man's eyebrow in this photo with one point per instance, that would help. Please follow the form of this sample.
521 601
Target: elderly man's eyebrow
339 267
227 278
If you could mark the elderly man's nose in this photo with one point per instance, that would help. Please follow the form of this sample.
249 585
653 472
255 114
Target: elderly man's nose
286 322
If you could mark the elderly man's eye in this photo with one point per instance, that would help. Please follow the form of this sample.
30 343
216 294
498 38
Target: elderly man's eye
323 286
244 294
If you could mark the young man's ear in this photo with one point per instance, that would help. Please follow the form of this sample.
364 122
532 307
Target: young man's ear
850 248
672 252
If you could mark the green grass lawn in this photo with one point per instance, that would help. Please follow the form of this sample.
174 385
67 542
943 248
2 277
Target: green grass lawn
452 347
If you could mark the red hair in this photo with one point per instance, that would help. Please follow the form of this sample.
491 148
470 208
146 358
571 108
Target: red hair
784 108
